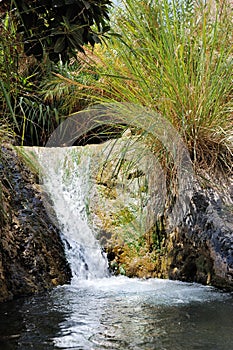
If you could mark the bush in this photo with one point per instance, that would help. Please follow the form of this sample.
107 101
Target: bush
34 35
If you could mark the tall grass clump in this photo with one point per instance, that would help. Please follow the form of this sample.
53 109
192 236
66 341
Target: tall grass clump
176 57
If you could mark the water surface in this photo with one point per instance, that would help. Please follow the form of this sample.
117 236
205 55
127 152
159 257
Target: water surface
120 313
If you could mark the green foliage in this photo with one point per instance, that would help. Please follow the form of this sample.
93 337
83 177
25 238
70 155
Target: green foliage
8 64
32 31
60 92
29 158
21 99
58 28
123 217
175 57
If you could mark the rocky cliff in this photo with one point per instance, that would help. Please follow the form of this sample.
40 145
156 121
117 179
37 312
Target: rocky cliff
197 249
201 248
32 255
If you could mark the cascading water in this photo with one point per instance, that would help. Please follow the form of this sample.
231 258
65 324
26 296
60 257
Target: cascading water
65 174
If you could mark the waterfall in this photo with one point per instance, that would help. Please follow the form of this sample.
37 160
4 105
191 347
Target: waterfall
65 176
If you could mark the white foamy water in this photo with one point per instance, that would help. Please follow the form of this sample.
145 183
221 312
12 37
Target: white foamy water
123 313
65 174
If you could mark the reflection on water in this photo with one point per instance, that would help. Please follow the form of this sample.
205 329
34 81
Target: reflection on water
120 313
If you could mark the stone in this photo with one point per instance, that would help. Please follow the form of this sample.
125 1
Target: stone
32 257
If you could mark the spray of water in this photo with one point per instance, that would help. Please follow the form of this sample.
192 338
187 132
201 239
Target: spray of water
65 176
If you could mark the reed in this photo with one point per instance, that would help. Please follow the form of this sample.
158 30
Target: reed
175 57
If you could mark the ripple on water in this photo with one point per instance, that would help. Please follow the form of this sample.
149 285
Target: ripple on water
122 313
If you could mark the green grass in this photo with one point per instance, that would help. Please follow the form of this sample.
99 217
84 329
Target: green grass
22 104
175 57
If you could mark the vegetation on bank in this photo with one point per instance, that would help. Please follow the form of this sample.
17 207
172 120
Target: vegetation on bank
37 38
175 57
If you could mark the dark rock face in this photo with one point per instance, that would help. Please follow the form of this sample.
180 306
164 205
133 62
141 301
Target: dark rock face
32 255
201 248
198 249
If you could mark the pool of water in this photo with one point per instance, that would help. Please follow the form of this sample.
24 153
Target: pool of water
120 313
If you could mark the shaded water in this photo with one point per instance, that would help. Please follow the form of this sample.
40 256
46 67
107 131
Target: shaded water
120 313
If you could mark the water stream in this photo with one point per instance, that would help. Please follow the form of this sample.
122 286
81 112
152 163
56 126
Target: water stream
98 311
66 178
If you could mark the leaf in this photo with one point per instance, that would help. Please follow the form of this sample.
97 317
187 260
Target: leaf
106 29
96 38
55 32
73 45
86 4
115 34
60 44
77 36
8 102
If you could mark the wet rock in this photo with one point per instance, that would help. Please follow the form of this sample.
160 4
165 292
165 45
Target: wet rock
198 249
32 256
